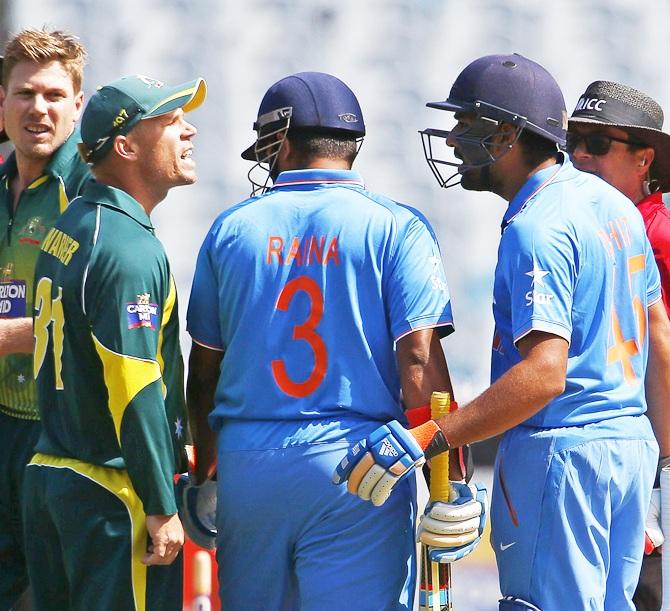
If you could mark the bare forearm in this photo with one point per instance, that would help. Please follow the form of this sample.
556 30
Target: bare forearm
16 335
200 402
423 369
516 396
200 390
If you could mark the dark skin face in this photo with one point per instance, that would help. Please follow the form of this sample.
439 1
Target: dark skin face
486 177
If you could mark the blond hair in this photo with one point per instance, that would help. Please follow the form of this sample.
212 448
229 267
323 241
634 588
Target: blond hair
42 46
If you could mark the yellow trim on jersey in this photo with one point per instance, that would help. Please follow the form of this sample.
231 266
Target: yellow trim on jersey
63 201
125 376
38 181
117 482
167 312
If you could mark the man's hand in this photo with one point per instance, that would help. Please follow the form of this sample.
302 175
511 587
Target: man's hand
167 537
373 466
653 535
454 529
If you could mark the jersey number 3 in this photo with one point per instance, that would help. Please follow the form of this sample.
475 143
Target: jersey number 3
305 331
48 312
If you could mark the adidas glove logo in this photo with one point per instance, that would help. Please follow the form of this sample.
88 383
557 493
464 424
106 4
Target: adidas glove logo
387 449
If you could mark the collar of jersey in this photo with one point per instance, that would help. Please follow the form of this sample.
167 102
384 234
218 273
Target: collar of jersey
58 165
316 177
533 186
100 194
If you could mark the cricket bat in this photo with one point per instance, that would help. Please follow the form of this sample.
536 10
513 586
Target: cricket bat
202 581
435 577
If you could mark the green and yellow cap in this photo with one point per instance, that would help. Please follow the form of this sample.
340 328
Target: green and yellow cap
116 108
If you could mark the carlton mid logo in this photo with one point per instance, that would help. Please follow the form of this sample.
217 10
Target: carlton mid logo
12 299
142 313
590 104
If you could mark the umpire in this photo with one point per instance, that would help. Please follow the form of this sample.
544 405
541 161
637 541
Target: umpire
616 133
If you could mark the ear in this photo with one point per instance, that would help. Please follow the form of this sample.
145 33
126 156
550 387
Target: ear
506 134
645 157
125 148
78 105
285 151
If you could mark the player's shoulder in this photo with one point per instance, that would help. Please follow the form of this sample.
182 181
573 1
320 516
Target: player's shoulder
122 239
238 212
76 178
402 214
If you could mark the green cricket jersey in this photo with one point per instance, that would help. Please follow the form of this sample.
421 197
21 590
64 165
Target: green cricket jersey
21 234
108 363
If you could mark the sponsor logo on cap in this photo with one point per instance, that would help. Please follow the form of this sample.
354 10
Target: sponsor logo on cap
150 82
590 104
348 117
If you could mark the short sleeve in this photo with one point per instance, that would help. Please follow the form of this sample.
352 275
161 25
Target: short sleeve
416 287
540 269
202 320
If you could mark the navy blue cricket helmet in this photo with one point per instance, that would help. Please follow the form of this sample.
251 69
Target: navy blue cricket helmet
497 89
513 89
307 100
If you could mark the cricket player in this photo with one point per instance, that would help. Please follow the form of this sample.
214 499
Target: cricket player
40 101
313 305
615 132
99 511
578 321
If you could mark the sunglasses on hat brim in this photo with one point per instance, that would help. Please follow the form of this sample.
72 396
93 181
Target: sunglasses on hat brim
596 144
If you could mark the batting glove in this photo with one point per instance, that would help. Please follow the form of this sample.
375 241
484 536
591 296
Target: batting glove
197 510
374 465
653 535
452 530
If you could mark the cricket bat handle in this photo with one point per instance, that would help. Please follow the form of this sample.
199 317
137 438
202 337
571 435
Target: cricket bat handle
202 581
440 488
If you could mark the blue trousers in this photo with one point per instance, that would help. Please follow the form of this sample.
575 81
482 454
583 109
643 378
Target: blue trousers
568 510
290 539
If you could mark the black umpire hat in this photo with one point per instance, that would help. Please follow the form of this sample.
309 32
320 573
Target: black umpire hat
616 105
3 134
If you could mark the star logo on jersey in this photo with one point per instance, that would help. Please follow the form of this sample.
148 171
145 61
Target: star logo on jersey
537 276
21 378
387 449
178 428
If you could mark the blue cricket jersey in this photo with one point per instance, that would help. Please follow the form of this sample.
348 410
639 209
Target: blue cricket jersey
574 261
306 289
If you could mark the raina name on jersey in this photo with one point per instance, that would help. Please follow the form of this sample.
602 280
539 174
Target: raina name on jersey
60 245
302 250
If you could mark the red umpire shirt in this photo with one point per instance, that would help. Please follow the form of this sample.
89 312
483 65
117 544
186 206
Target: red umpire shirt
657 224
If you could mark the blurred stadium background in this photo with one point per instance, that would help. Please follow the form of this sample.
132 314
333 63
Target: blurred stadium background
396 55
